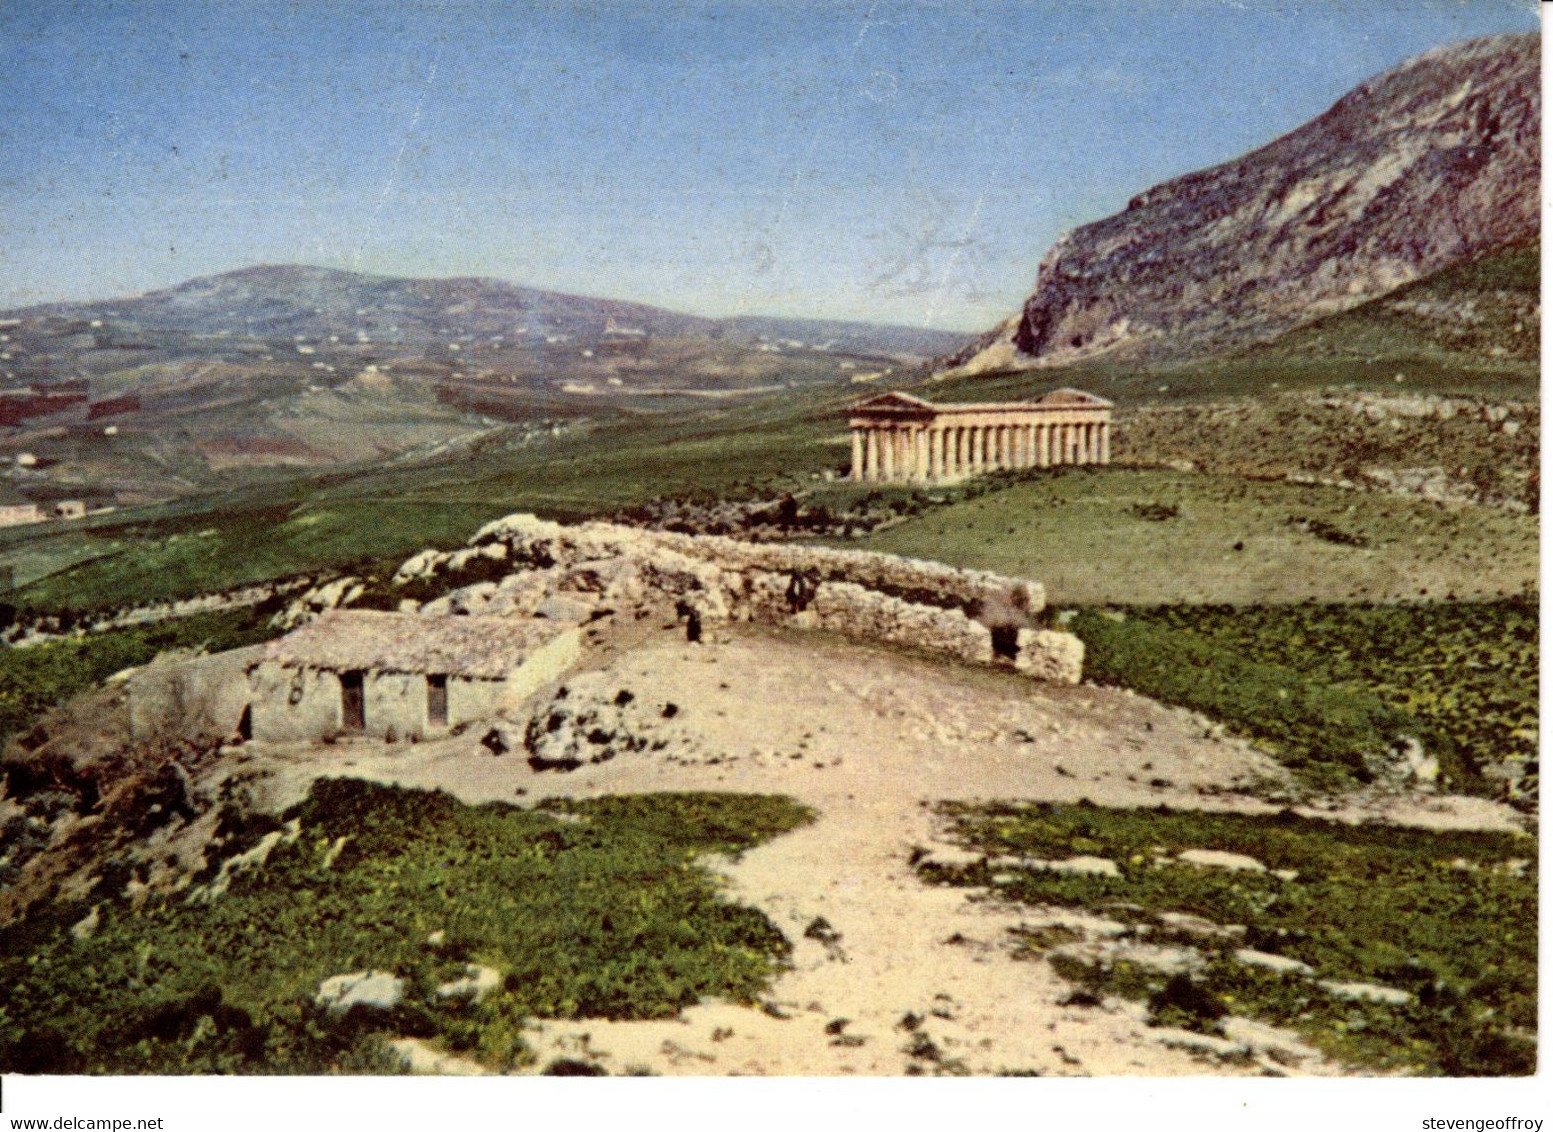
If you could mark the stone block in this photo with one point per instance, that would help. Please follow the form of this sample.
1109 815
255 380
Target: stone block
1045 654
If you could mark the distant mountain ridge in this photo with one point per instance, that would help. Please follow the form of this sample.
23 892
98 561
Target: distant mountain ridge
291 301
1427 166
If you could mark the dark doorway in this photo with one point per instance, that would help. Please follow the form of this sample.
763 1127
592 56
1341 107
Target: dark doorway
245 723
437 701
353 701
1005 641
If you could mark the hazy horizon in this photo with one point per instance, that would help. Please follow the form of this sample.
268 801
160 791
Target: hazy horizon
881 162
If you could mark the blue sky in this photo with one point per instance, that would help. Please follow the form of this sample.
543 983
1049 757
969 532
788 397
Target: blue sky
896 161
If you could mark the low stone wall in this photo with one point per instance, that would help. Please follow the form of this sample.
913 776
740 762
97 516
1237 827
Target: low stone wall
850 609
862 594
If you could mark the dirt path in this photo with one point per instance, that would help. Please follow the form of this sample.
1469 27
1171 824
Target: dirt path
889 975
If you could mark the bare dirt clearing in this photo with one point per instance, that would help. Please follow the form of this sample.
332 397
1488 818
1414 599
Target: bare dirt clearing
889 975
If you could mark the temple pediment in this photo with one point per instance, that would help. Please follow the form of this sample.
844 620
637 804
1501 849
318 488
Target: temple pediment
1072 399
893 402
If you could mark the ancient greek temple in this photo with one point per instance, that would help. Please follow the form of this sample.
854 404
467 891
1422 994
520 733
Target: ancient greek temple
898 438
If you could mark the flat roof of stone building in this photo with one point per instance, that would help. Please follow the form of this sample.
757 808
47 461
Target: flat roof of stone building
344 640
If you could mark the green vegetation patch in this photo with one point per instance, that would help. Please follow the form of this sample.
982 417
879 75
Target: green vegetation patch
1327 735
598 909
1125 536
1448 918
1466 673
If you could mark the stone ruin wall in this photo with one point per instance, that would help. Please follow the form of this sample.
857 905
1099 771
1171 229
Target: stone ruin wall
574 570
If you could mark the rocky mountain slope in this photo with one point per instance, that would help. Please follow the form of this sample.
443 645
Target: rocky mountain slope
1422 168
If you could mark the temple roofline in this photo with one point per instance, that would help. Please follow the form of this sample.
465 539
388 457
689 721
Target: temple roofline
906 403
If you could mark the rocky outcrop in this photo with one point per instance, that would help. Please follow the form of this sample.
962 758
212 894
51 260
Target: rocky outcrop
1426 166
576 573
976 592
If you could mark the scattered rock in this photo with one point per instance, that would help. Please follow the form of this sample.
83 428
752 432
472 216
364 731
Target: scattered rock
1366 992
477 982
1260 1038
1196 925
374 990
1279 963
86 927
1219 859
1200 1043
949 857
420 1058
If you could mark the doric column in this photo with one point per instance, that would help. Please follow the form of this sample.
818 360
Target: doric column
922 464
1030 439
1046 445
871 454
959 450
935 453
1001 457
1064 444
1105 442
857 454
887 447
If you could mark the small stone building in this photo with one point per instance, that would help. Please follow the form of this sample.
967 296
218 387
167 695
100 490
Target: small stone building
400 674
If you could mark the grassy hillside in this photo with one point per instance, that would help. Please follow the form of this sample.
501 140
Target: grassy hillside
1333 688
381 515
765 444
1153 537
604 915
